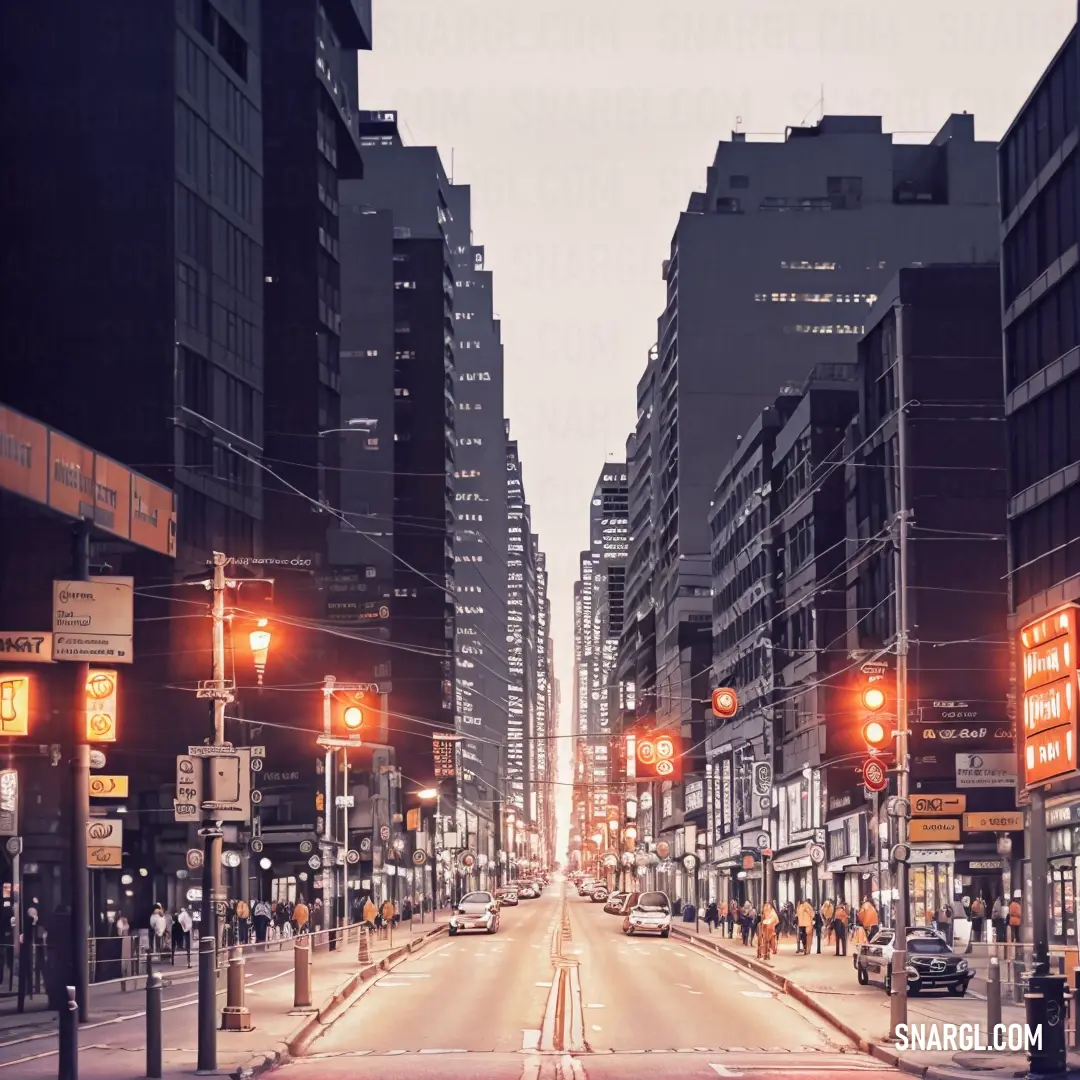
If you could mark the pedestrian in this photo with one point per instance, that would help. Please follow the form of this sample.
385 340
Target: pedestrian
242 924
868 918
732 915
839 924
746 922
370 912
300 916
712 916
819 923
944 922
1015 915
978 918
184 921
767 933
804 914
999 917
828 911
261 918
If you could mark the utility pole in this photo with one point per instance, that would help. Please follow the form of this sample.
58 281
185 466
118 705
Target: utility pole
211 831
329 866
900 921
345 840
80 817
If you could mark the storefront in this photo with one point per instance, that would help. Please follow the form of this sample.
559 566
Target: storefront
1063 851
932 881
799 875
726 865
845 845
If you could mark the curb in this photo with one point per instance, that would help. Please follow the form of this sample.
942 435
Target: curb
876 1049
296 1043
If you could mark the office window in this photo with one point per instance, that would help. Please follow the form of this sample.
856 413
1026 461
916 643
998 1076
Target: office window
196 381
845 192
739 181
189 301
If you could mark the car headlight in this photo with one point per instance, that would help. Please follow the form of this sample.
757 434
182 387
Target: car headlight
962 966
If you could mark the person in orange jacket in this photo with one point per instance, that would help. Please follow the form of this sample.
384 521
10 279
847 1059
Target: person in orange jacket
767 931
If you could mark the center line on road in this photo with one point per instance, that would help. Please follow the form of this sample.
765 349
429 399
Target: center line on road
685 986
433 1051
722 1071
543 984
755 993
594 1006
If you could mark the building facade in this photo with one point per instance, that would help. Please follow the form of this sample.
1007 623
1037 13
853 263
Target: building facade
1040 303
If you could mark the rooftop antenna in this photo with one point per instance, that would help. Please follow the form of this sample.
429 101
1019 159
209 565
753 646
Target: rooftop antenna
738 122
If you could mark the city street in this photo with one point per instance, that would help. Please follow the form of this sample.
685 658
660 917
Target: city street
488 1007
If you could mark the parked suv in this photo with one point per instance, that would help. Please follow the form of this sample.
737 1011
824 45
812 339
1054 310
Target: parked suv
931 964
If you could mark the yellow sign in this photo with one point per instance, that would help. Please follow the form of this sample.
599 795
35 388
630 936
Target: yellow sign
98 858
1000 821
934 829
15 705
934 805
412 820
108 787
101 706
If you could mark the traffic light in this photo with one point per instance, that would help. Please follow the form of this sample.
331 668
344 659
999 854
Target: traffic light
876 735
348 718
876 731
658 755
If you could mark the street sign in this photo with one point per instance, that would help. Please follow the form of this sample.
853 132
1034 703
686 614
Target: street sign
305 847
875 776
257 752
817 854
26 646
419 858
763 840
194 858
314 862
725 702
108 787
365 843
230 786
344 802
14 845
188 795
337 742
256 796
94 620
256 763
256 845
104 842
206 750
97 759
384 833
352 857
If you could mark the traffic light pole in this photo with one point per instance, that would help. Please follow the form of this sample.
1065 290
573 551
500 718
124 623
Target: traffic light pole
329 865
899 958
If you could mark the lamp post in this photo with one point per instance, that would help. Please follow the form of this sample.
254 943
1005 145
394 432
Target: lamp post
431 795
399 846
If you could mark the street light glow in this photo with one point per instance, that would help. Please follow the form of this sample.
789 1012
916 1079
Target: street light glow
427 793
353 717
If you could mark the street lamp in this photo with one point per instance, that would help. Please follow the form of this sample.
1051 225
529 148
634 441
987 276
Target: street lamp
431 794
259 640
399 846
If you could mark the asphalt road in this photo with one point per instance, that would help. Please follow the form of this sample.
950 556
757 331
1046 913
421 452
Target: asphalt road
488 1008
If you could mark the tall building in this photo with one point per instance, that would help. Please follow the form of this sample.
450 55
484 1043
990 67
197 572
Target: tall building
403 198
772 270
518 534
160 347
312 146
1040 305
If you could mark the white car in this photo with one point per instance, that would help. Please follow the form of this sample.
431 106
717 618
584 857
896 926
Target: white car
475 911
651 914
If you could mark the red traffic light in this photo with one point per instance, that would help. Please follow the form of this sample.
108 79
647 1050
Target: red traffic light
725 702
876 735
873 698
658 755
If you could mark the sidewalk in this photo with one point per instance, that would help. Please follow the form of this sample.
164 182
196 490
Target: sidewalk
113 1043
826 983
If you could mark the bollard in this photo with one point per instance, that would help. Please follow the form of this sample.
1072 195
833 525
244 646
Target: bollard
993 995
363 952
1044 1008
153 1027
236 1016
302 972
68 1065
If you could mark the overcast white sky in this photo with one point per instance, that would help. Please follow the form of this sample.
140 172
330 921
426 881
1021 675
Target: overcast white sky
583 126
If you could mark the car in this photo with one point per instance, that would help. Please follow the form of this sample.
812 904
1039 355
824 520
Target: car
614 903
506 897
931 965
650 914
475 911
599 895
527 892
586 886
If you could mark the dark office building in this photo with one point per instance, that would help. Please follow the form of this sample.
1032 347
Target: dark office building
1040 310
517 632
481 675
147 175
409 185
772 270
933 346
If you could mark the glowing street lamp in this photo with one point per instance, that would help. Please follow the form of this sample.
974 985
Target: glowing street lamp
259 640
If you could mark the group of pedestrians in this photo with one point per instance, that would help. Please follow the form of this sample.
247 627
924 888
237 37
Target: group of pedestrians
832 920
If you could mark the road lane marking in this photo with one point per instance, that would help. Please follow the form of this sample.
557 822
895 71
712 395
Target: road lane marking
530 1038
755 993
544 984
444 1051
594 1006
685 986
698 992
391 985
722 1071
596 1027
